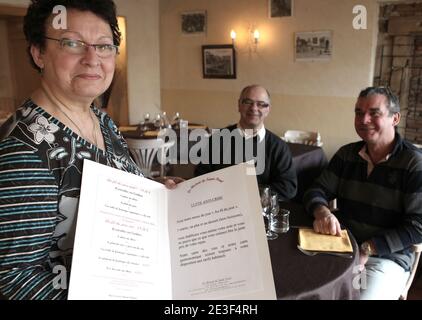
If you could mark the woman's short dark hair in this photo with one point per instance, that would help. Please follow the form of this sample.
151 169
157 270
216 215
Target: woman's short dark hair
40 10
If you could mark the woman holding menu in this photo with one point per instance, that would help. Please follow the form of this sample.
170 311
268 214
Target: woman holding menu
73 44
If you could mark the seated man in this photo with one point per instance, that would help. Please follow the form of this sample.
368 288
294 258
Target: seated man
249 140
378 186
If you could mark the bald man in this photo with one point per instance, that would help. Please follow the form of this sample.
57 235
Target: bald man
273 160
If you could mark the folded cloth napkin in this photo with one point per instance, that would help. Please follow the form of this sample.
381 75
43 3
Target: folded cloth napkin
312 241
128 128
197 126
150 133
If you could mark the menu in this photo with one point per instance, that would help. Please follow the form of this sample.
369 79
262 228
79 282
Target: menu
136 239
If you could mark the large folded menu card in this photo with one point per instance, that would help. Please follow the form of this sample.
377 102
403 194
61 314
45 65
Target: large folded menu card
136 239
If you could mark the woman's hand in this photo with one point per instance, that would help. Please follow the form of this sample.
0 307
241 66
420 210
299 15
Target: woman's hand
169 182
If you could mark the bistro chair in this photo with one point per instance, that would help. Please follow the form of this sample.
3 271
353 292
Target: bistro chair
416 248
303 137
145 151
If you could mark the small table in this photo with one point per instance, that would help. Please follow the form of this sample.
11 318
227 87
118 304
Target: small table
321 277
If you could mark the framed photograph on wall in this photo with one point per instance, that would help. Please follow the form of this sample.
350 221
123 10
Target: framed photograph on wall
313 46
219 61
280 8
194 22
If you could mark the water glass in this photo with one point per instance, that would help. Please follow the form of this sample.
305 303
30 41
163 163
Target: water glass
280 223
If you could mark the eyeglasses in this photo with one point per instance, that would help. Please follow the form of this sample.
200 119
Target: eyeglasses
103 50
250 103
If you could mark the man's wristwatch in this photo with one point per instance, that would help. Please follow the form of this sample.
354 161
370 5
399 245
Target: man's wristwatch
366 248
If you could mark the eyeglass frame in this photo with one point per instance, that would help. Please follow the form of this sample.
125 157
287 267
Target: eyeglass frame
264 105
87 45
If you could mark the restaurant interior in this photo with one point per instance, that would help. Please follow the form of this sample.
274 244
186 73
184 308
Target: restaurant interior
313 60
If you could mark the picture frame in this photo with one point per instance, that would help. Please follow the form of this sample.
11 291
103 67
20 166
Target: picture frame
219 61
193 22
280 8
314 46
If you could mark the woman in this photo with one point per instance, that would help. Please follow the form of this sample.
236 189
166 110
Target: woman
44 144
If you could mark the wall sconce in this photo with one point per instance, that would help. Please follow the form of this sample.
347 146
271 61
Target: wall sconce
256 36
252 41
233 36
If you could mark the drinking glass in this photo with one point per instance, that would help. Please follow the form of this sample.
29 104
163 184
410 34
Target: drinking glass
275 207
281 223
265 194
159 122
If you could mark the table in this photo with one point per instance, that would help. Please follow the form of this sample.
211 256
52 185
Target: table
321 277
309 162
152 133
186 170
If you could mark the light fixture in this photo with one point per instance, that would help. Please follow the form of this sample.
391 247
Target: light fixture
233 36
250 42
256 36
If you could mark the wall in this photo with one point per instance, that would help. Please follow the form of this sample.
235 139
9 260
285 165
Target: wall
143 53
399 62
142 18
305 95
5 77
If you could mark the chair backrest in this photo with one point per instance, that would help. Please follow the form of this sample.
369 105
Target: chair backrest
144 151
303 137
417 248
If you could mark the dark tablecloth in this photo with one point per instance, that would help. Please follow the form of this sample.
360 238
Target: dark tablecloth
321 277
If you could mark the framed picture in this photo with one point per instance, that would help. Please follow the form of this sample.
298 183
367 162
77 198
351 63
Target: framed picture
280 8
194 22
313 46
219 61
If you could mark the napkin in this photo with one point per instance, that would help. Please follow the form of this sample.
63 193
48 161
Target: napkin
312 241
128 128
150 133
197 126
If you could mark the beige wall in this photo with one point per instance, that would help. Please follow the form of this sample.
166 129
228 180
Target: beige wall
143 53
306 95
142 18
5 77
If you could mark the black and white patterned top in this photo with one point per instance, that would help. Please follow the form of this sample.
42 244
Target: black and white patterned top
41 162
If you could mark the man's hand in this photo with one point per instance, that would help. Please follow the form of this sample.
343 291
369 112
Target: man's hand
325 222
170 182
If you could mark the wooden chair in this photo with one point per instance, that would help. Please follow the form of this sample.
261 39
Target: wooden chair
303 137
417 248
144 152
